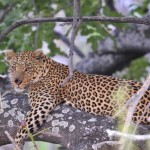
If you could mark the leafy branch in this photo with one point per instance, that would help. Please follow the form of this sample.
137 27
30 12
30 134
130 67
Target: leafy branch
145 20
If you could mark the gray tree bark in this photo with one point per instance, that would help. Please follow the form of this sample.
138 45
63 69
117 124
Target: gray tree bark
72 128
115 54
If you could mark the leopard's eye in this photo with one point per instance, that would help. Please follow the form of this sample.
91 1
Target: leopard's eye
39 57
13 67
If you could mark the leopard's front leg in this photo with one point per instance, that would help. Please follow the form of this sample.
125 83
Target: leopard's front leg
34 119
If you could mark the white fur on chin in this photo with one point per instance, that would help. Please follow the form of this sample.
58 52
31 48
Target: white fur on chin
19 90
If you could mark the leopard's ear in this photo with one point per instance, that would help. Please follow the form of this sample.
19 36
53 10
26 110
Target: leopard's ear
38 54
9 54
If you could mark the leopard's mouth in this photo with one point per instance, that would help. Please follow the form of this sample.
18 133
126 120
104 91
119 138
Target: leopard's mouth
20 88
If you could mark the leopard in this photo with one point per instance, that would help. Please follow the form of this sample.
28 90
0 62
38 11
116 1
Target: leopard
95 94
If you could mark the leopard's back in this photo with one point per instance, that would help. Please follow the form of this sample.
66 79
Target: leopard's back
104 95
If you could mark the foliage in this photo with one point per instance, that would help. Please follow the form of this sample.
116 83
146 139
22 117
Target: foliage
137 69
141 9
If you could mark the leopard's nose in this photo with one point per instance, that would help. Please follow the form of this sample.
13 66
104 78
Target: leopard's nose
18 81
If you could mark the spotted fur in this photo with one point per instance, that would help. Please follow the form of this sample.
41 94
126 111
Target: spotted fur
96 94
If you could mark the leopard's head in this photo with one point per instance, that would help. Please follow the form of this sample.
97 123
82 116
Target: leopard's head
25 68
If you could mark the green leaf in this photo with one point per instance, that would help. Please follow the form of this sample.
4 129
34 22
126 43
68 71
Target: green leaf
137 69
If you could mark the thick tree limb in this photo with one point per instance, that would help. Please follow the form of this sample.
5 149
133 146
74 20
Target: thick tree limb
70 127
113 55
67 126
105 64
145 21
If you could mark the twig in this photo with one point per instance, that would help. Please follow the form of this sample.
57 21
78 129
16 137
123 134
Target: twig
135 99
40 132
37 27
138 122
146 108
12 140
24 125
32 139
76 24
132 103
36 36
132 137
18 23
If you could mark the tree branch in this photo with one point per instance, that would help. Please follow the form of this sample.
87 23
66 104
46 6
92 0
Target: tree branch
106 64
113 55
63 125
67 42
145 21
37 26
132 137
12 140
75 27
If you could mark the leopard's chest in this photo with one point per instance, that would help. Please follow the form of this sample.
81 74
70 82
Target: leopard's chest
44 90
